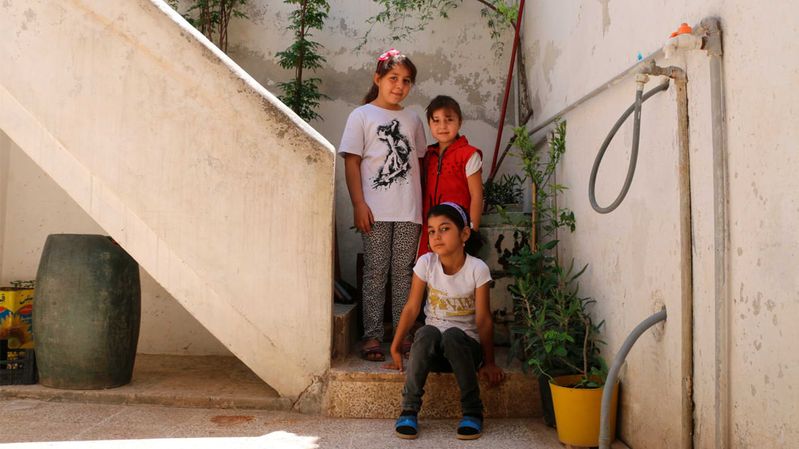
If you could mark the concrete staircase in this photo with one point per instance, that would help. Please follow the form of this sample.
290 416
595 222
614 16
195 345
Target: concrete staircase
188 163
360 389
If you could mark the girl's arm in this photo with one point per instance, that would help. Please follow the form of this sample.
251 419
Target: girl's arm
407 318
475 182
362 214
485 328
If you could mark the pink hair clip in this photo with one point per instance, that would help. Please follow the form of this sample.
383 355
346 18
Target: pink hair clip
389 54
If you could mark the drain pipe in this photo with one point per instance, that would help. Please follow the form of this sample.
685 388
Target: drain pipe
686 250
713 45
613 374
686 263
686 235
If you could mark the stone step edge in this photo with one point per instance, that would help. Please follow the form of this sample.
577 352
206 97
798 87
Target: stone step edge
372 395
342 374
104 397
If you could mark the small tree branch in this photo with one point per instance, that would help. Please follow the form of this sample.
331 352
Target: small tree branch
585 347
494 8
488 5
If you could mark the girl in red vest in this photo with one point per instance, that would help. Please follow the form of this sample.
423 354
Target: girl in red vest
452 169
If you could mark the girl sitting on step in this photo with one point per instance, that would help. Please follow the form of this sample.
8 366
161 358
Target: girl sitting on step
458 331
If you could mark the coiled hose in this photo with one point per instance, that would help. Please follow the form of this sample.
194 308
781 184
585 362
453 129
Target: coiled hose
640 97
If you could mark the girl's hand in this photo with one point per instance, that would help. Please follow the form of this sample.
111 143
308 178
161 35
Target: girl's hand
492 372
363 217
396 360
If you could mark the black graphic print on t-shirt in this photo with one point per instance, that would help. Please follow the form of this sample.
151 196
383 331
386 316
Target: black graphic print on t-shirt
397 164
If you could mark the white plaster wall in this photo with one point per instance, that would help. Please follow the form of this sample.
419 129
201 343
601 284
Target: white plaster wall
634 252
188 163
37 208
5 150
453 57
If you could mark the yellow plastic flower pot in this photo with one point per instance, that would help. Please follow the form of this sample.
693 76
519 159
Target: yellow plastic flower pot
577 411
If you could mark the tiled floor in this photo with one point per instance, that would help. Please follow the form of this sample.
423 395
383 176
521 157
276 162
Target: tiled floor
73 425
190 402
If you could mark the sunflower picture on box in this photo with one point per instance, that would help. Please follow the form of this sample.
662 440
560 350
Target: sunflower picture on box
16 306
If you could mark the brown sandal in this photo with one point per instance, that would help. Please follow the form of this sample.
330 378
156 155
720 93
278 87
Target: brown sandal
373 352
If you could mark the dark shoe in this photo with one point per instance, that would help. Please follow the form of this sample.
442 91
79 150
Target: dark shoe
470 428
407 427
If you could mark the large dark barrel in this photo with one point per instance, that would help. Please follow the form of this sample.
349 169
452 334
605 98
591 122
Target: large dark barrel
87 313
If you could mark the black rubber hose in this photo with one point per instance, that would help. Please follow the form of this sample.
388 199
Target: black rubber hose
635 107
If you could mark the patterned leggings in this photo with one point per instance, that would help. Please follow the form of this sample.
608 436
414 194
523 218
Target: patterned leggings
390 246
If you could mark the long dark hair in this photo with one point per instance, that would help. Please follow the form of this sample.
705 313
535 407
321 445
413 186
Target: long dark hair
384 67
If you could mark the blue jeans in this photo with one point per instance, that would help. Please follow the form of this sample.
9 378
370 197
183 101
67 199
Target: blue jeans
451 351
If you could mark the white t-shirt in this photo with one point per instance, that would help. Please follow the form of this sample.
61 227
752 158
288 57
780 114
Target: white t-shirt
473 164
390 144
450 298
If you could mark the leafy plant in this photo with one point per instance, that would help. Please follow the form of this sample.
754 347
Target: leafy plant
506 190
548 217
302 95
555 333
406 17
212 17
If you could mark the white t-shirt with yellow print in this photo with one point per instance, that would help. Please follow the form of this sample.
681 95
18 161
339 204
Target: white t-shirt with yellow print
450 298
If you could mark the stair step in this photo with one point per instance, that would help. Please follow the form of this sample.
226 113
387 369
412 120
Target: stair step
360 389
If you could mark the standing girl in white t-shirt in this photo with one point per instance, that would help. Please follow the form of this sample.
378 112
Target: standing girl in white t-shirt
458 331
381 146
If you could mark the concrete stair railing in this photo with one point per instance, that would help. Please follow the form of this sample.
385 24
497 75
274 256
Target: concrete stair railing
209 182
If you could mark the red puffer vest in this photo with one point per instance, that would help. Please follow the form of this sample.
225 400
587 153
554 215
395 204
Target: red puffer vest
444 179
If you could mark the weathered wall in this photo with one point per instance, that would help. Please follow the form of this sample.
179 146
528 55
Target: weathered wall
633 252
188 163
454 57
38 207
5 150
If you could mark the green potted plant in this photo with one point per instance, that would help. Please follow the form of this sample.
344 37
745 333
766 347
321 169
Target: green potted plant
504 193
577 398
554 334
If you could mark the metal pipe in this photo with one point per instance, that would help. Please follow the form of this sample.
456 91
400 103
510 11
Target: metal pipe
686 262
713 45
507 88
613 375
686 249
612 82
